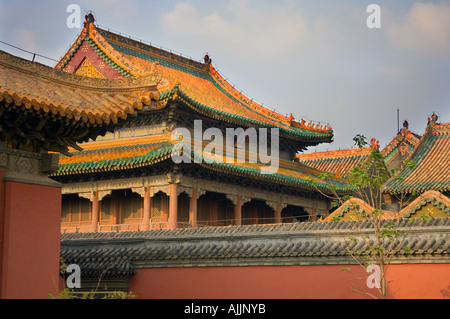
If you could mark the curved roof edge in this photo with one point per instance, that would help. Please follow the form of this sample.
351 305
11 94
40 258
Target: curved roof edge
130 67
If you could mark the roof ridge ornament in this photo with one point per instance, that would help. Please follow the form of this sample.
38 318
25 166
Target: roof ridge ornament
88 20
207 59
374 144
433 119
405 124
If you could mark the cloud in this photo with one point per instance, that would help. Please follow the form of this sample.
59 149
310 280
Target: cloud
393 71
25 39
424 28
260 32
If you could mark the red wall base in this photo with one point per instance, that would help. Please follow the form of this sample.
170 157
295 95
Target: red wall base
31 240
287 282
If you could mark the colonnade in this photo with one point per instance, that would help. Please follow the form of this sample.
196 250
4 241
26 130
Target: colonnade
174 185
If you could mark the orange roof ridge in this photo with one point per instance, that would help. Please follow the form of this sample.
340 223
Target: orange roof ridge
431 157
440 128
40 87
93 145
288 120
334 153
355 208
205 89
90 30
163 54
403 134
415 204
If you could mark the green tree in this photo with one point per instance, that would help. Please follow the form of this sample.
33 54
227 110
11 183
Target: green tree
385 238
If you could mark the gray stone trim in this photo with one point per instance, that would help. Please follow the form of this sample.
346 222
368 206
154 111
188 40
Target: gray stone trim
30 179
275 245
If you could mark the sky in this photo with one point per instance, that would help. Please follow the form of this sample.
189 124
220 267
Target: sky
318 60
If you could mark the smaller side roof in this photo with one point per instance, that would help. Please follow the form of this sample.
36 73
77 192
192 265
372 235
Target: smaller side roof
356 209
37 87
432 158
130 153
402 144
85 107
338 162
430 203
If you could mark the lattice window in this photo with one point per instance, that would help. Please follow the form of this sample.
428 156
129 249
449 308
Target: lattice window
132 207
85 206
157 206
183 207
203 206
105 209
75 210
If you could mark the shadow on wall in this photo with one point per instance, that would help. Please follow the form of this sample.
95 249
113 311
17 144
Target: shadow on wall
446 292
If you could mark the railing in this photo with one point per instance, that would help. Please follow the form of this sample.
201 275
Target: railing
155 225
77 229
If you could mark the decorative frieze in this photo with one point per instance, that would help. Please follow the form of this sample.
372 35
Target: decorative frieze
19 161
139 190
245 199
232 198
161 188
103 194
272 205
87 195
184 189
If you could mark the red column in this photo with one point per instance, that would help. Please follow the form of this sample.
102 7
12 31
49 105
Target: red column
95 212
278 214
173 206
193 208
2 238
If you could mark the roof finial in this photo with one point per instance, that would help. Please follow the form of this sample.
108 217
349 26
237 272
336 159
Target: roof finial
88 19
207 59
291 118
374 144
434 117
405 124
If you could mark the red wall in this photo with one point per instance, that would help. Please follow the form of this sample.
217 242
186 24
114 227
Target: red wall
425 281
287 282
2 217
31 237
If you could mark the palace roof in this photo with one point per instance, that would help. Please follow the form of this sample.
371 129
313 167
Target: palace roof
101 53
432 158
131 153
338 162
403 143
87 106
